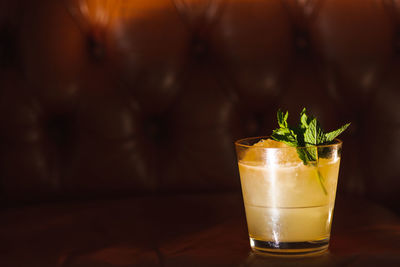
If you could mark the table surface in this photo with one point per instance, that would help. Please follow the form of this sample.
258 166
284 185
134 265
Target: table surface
184 230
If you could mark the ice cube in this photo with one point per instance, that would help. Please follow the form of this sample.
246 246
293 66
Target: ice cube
271 152
270 143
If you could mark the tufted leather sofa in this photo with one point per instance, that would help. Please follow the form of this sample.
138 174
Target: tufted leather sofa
114 99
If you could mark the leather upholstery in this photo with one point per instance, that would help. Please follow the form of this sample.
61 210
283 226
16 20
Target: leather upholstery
135 97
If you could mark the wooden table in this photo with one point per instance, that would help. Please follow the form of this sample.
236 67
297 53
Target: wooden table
184 230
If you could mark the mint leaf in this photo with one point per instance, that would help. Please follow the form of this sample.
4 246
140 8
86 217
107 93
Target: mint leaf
284 133
307 155
306 137
328 137
309 134
314 134
302 155
304 119
282 119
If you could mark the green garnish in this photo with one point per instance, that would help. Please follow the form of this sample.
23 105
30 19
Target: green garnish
308 134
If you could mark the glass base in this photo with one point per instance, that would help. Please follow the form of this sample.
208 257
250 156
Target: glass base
289 248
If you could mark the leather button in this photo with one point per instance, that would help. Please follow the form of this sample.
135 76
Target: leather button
157 129
7 47
95 48
61 130
302 43
199 48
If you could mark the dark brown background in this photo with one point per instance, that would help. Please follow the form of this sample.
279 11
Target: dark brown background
115 98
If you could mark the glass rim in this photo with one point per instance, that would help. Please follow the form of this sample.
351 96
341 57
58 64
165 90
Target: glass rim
337 143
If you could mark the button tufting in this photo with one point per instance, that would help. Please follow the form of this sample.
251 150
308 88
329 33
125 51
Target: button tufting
156 129
60 130
199 48
7 47
334 56
95 49
302 43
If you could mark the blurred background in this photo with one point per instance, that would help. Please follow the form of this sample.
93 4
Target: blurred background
112 98
119 97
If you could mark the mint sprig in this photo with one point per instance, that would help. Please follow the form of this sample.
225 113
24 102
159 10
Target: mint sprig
307 135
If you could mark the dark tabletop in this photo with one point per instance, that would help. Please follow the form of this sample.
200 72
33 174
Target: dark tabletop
185 230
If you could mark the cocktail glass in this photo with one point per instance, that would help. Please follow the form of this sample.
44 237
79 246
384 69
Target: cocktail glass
289 205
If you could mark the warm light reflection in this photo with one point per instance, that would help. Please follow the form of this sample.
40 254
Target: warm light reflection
100 13
93 13
272 197
328 221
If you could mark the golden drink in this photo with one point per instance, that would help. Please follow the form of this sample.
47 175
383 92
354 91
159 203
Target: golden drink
289 205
